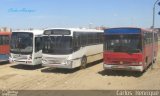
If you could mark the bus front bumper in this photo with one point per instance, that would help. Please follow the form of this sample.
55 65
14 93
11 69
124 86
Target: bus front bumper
4 58
22 62
66 66
123 67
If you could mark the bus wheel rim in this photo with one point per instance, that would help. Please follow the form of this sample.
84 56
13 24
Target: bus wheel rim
84 61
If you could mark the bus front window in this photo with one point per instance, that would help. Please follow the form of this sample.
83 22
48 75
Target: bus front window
123 43
21 43
57 45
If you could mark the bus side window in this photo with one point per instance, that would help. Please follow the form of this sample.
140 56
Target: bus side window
76 41
5 40
156 37
89 38
83 39
0 40
145 38
38 45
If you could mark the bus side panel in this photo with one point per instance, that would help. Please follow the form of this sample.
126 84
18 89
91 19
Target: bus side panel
4 52
156 49
148 49
94 53
37 58
76 56
4 49
148 54
37 51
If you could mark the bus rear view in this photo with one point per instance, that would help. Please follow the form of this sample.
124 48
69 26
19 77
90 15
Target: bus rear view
123 49
4 46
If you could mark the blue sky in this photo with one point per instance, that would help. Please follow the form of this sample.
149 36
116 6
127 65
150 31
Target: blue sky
77 13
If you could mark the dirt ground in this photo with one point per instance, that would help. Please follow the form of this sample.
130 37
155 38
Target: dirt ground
18 77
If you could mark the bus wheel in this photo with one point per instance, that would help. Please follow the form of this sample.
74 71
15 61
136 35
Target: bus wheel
154 60
83 62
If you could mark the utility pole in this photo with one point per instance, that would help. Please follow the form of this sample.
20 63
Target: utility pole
153 25
154 9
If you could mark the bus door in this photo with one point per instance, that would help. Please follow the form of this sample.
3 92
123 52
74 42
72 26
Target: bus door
38 50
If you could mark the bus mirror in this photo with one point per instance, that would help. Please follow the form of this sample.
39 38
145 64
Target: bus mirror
75 48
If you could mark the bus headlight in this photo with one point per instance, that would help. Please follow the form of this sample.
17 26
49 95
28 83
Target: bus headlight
10 59
140 63
69 62
30 57
44 61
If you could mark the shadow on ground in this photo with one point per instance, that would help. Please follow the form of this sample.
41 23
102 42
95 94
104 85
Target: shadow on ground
124 72
94 63
68 71
27 67
4 63
120 73
59 70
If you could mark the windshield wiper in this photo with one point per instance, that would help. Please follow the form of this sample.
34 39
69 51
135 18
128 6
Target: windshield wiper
19 45
50 39
60 40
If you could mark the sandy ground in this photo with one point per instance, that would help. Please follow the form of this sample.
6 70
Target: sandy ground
18 77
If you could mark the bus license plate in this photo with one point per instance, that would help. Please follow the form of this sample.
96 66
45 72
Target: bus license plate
119 67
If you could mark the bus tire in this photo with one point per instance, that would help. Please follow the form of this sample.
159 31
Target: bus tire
154 60
83 62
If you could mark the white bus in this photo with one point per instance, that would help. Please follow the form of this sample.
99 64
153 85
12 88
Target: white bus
71 48
26 47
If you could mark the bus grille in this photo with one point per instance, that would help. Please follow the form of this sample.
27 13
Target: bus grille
52 60
20 58
119 60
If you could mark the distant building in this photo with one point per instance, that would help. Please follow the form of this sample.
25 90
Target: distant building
5 29
158 30
101 28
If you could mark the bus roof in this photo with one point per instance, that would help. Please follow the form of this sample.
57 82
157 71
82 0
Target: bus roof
35 32
125 30
77 29
5 33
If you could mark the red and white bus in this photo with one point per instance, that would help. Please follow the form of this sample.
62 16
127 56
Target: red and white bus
4 46
129 48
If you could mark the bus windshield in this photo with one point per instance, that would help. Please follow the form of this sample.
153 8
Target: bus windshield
21 43
57 45
130 43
